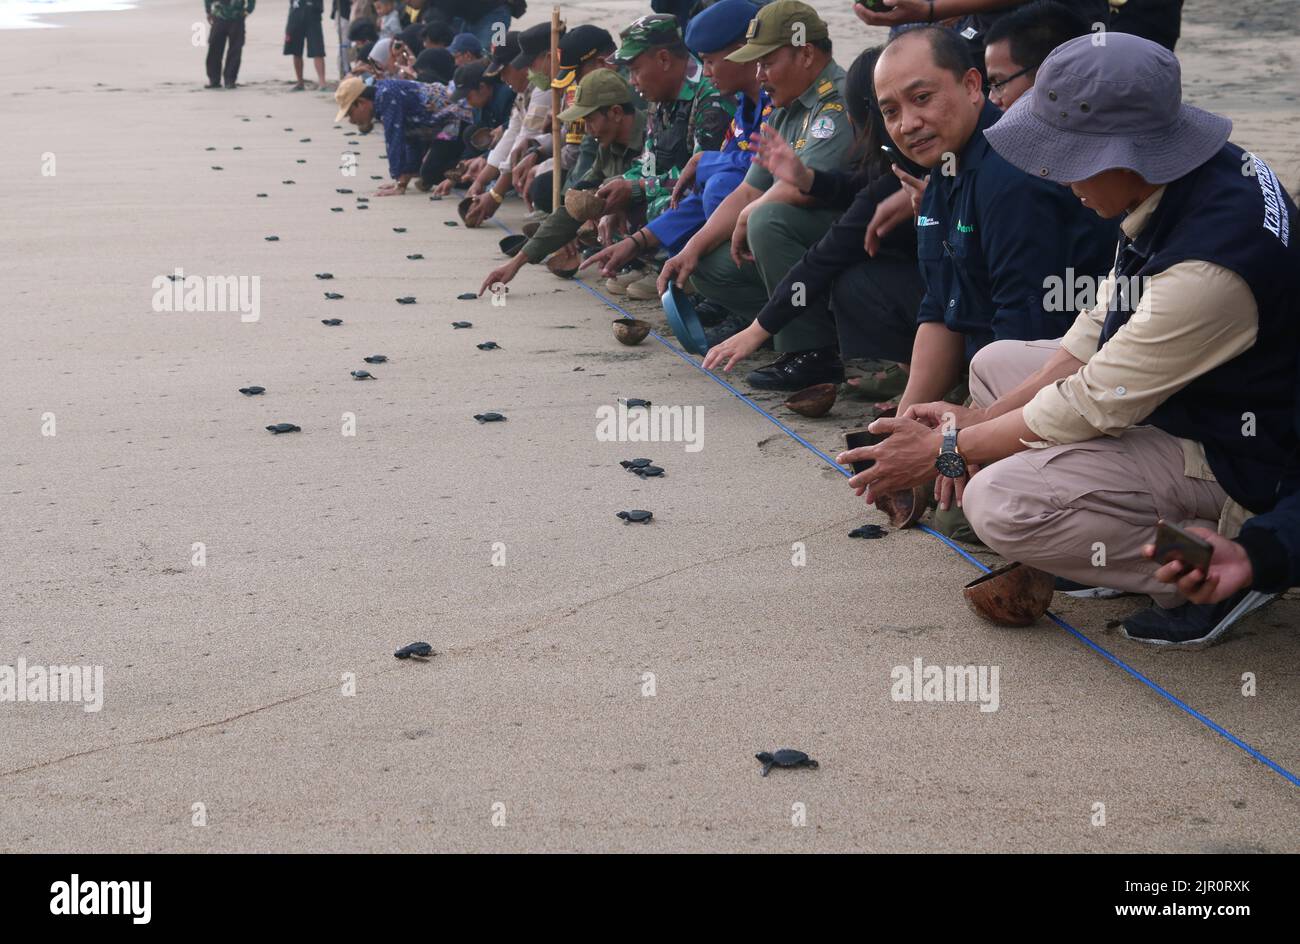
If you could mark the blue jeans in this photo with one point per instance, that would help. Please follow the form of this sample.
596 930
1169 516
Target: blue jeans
485 26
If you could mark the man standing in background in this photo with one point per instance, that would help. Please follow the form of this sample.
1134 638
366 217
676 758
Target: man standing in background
226 25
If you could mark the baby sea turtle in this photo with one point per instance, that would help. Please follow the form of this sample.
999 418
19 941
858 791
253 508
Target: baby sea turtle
332 322
416 255
272 239
376 359
215 167
261 195
462 324
466 297
278 428
635 463
420 650
252 391
435 197
489 417
399 229
363 375
450 223
236 148
785 757
209 149
333 296
342 190
376 177
286 181
406 300
364 206
363 199
632 402
304 140
324 275
336 209
288 129
868 531
636 514
301 161
488 346
171 278
647 471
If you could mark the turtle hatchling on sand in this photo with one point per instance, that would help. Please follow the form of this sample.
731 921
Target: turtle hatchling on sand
416 255
632 403
785 757
333 296
449 223
462 324
489 417
336 209
261 195
332 322
420 650
324 275
252 391
868 531
376 359
488 346
363 375
466 297
399 229
342 190
406 300
635 463
278 428
286 181
647 471
272 239
636 514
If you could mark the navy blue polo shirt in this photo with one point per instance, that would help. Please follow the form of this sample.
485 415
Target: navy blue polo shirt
991 236
496 113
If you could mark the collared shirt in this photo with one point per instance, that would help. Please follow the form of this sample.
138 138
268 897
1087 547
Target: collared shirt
1190 318
611 161
815 124
991 237
530 119
229 9
402 106
696 120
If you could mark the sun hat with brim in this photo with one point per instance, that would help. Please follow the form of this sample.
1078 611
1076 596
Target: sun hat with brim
1095 108
346 95
780 23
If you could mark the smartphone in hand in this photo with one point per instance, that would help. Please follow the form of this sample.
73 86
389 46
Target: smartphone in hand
856 438
1175 543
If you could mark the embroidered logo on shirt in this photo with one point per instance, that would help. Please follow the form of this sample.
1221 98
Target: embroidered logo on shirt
965 227
926 221
823 127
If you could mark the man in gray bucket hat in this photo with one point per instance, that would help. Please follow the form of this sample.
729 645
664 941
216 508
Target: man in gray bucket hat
1173 397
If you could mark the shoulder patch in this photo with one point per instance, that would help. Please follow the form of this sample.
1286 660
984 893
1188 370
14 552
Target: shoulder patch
825 87
823 127
832 106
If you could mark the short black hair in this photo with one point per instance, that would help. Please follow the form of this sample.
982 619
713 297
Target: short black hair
1035 29
823 44
439 32
363 31
950 52
368 93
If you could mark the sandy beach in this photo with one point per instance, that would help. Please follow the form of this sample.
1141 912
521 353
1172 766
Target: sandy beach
598 686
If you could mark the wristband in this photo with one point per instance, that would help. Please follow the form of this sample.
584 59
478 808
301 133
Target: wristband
496 196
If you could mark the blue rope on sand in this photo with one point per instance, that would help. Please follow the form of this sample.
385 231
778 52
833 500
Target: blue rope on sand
1103 652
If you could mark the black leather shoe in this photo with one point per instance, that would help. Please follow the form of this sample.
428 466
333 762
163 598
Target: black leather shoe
710 313
731 324
796 370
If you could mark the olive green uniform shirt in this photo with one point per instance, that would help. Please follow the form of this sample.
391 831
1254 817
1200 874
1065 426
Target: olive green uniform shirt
815 124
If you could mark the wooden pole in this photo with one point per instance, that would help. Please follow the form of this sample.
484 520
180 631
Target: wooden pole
557 98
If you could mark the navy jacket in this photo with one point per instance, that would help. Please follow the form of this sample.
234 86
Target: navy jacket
990 236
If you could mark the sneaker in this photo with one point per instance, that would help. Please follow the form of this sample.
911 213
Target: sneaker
1193 625
798 369
617 285
1083 591
729 325
645 288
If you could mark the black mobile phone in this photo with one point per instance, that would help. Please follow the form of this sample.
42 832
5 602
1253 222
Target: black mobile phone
892 154
855 439
1175 543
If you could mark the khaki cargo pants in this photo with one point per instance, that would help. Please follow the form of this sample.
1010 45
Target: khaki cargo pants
1082 511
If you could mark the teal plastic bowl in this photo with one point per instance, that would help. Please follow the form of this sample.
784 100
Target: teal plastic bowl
683 320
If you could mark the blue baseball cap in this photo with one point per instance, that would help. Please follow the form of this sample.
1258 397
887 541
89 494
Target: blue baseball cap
465 42
719 26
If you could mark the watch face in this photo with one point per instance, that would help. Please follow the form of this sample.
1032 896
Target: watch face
951 465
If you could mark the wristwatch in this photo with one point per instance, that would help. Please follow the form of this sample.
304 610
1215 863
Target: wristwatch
950 463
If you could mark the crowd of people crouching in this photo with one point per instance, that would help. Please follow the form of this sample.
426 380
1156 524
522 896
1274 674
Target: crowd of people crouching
1072 305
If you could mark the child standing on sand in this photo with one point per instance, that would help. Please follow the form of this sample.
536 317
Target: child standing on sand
304 27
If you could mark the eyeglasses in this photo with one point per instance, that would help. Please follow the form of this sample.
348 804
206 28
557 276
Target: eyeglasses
999 86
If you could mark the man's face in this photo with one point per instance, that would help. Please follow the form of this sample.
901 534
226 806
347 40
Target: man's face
729 77
787 72
1001 67
1110 193
383 7
604 125
652 74
362 114
517 79
927 111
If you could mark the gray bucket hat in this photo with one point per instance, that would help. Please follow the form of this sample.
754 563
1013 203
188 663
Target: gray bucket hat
1094 108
